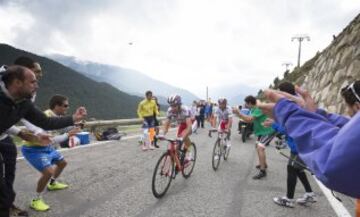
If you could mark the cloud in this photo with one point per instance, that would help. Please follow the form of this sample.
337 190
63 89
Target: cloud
191 44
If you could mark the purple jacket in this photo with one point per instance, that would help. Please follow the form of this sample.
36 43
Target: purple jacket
329 144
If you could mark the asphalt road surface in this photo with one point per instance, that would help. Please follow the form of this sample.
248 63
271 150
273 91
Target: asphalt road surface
114 179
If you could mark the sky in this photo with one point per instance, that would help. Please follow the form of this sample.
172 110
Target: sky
186 43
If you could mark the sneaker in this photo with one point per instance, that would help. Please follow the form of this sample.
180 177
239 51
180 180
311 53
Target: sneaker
151 147
260 175
16 211
39 205
284 201
144 148
228 144
309 197
216 157
57 186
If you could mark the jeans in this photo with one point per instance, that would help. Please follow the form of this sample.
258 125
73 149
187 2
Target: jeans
8 155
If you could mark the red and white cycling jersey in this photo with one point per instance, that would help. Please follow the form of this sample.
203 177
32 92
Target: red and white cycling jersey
223 115
179 116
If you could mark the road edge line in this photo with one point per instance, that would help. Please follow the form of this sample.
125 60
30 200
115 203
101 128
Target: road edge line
337 206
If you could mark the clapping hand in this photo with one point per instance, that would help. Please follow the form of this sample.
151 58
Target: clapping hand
80 114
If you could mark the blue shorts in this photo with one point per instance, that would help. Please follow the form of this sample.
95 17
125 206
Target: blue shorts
149 122
41 157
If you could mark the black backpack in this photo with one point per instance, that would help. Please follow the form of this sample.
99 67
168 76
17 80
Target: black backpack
111 134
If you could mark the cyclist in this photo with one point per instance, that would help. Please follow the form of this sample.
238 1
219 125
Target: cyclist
182 115
148 110
224 116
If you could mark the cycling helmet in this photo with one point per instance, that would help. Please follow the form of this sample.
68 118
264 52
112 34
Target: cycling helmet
174 100
222 100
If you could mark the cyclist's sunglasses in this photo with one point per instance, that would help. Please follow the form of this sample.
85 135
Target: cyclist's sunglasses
351 88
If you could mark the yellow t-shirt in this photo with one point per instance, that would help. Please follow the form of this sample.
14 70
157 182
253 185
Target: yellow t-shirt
147 108
48 113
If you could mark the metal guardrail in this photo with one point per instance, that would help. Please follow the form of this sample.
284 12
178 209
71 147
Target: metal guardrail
116 122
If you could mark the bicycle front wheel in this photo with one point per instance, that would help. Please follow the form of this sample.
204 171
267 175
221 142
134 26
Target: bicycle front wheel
189 161
162 176
226 152
216 156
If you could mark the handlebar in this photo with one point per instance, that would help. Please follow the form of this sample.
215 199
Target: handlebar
159 137
216 130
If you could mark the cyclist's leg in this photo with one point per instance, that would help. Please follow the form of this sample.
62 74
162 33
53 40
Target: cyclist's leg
187 143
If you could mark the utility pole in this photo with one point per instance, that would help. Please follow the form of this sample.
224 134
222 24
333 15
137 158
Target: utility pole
300 38
287 65
207 93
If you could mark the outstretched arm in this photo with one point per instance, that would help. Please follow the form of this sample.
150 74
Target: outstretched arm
330 152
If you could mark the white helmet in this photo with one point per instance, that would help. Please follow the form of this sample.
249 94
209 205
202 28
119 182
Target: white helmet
222 100
174 100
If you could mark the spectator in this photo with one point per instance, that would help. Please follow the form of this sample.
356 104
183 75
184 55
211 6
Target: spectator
327 142
148 110
18 87
157 124
44 158
295 167
201 115
194 116
264 134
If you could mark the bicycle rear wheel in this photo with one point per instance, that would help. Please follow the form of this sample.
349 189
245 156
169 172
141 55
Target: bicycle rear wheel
162 175
216 156
189 161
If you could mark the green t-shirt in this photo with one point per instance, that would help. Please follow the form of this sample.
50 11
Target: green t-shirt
259 129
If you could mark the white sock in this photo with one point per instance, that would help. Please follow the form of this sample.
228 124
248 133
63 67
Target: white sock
38 195
52 180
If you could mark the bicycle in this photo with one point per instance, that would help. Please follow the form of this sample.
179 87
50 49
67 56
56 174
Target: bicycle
170 163
220 149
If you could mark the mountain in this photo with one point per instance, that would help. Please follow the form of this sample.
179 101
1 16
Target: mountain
127 80
102 100
234 97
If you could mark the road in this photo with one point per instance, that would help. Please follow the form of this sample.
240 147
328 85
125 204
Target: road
114 179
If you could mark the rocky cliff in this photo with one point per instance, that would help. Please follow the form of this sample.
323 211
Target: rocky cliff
336 66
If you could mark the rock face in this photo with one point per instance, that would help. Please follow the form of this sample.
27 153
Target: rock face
332 69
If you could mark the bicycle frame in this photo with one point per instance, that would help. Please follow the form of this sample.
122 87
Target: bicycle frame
222 135
173 148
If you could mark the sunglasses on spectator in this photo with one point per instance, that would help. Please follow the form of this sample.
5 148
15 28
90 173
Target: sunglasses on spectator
351 87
